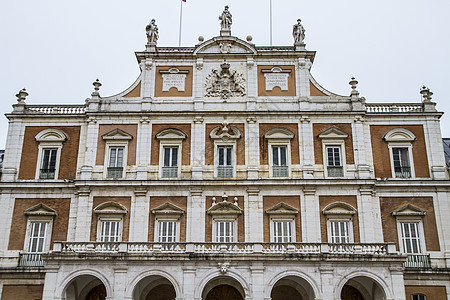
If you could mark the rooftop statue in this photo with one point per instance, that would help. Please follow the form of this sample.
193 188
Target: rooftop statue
152 32
298 33
226 19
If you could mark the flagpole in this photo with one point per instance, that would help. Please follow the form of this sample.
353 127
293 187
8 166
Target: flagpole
181 13
270 22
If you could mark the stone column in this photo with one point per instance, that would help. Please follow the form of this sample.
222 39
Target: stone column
369 224
13 150
258 286
188 283
254 213
310 216
90 154
328 284
360 148
195 223
252 148
143 148
435 154
140 210
120 282
398 284
198 148
307 148
84 214
6 213
442 211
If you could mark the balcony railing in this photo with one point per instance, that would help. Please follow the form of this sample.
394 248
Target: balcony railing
169 172
402 172
56 109
334 171
149 248
47 174
225 171
114 172
280 171
421 261
393 107
31 260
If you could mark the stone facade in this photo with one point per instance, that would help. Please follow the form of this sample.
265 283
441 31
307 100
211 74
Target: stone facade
225 170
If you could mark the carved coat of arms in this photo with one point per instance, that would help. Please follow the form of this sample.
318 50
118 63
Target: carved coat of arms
225 84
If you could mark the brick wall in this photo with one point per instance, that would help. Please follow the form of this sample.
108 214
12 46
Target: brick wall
22 292
264 144
125 201
128 128
318 128
179 201
270 201
186 144
209 144
209 218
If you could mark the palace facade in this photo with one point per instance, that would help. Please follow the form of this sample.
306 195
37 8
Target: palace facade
225 171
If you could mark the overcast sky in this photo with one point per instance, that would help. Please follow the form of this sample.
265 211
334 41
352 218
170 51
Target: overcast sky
57 48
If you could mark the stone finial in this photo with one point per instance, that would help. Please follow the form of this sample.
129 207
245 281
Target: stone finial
97 85
224 197
213 201
426 94
353 83
226 19
201 39
236 201
21 96
298 32
249 38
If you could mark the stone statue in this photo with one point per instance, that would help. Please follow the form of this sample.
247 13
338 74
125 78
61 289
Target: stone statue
226 19
298 32
152 32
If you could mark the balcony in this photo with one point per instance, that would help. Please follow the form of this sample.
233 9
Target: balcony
169 172
149 248
421 261
402 172
280 171
114 172
31 260
335 171
47 174
225 171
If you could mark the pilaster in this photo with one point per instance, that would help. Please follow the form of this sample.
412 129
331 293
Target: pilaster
369 225
257 271
144 143
91 149
252 142
13 150
198 148
310 215
360 149
307 147
254 216
196 210
120 282
328 284
398 284
84 214
140 210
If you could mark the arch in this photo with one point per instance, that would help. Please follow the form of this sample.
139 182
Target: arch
61 290
171 134
363 274
339 208
236 42
217 275
291 273
279 133
132 285
51 135
399 135
110 207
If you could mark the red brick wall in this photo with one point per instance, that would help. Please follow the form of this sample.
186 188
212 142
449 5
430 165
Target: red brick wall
186 144
128 128
209 218
209 144
318 128
271 201
264 145
22 292
125 201
179 201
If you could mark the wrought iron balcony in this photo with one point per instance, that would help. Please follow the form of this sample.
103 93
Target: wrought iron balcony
402 172
225 171
31 260
169 172
421 261
47 174
280 171
115 172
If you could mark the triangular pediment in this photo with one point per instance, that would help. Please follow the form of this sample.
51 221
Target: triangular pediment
224 208
117 134
282 209
333 133
40 210
111 207
224 45
409 210
167 209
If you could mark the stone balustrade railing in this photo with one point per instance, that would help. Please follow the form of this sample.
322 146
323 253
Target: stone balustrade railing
55 109
225 248
393 107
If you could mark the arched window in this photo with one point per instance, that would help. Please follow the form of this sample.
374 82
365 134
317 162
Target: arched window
400 149
279 140
50 145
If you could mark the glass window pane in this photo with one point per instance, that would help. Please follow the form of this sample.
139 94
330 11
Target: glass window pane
174 157
283 156
221 156
229 150
275 156
166 156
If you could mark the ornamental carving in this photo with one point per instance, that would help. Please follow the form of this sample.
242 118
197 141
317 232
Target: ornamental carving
225 84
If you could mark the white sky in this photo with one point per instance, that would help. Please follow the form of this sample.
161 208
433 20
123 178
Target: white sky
57 48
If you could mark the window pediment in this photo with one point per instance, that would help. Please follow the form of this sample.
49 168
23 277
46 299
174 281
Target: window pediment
51 135
171 134
279 133
332 133
409 210
224 208
399 135
339 208
40 210
168 209
117 135
282 209
224 133
111 208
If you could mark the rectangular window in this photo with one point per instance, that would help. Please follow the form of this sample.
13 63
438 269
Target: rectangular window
170 163
340 232
334 163
225 167
48 166
411 238
402 167
282 231
418 297
279 157
37 238
224 231
167 231
110 231
115 164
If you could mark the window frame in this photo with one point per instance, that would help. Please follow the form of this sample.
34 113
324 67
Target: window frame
340 212
217 145
349 223
224 211
410 214
418 296
114 139
327 145
227 219
50 138
167 212
408 147
170 137
176 233
279 137
329 138
110 211
400 138
116 145
102 219
288 219
43 214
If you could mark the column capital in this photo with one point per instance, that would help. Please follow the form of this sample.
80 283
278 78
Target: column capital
83 191
309 190
196 191
251 120
253 191
140 192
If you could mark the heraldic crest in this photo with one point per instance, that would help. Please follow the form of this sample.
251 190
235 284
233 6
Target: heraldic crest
225 84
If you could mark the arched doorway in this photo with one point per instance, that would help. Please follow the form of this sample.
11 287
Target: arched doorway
292 288
223 287
154 287
86 287
362 288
